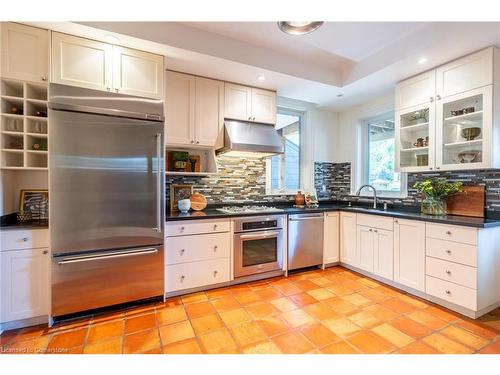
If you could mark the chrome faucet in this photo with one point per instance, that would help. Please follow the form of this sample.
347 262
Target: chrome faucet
374 193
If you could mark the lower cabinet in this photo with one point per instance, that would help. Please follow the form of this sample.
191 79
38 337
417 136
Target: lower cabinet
409 253
348 238
383 253
365 243
197 274
331 232
25 287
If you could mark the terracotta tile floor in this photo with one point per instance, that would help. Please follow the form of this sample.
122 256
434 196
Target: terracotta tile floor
330 311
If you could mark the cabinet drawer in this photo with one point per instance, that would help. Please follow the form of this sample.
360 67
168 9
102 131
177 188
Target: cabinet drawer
454 272
451 233
193 248
180 228
24 239
375 221
454 293
452 251
196 274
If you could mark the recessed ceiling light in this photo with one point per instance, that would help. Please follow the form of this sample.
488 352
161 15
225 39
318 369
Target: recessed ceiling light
261 78
110 38
422 60
299 27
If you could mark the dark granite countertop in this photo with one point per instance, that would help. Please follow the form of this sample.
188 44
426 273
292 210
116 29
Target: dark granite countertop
212 213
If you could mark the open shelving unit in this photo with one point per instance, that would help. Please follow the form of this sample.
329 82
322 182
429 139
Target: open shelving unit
23 125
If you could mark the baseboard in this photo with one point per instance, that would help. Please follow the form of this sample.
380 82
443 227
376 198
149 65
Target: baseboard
23 323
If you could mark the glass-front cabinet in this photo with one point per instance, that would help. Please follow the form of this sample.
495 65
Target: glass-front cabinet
463 130
415 145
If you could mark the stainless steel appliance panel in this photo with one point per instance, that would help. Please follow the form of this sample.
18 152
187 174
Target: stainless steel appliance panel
105 185
305 240
85 282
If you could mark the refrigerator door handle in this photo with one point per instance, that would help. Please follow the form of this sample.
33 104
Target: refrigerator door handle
90 258
158 183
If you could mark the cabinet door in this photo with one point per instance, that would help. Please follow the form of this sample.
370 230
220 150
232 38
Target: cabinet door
81 62
409 253
365 241
415 133
25 52
209 108
263 106
237 102
416 91
383 255
137 73
348 248
467 73
464 141
25 287
331 240
179 108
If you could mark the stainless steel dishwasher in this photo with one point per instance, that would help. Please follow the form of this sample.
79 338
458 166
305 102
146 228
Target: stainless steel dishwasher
305 240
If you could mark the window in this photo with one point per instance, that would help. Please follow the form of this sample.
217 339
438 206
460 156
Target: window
283 171
379 170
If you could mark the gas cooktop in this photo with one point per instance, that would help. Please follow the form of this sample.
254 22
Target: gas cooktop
248 209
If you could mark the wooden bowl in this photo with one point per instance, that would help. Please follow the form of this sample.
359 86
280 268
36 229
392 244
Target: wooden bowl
198 202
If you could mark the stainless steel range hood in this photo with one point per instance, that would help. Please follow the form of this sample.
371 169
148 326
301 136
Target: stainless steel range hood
242 138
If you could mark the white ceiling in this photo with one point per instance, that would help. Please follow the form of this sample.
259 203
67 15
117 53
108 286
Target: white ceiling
361 60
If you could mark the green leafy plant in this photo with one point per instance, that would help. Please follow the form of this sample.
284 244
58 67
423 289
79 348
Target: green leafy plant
438 188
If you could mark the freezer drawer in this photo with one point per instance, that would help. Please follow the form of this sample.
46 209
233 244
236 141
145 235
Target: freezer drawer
94 280
305 240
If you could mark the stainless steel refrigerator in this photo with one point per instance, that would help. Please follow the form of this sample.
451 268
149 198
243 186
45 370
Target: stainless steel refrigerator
106 186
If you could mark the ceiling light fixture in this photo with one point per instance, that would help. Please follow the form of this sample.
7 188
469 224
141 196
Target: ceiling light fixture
422 60
299 27
261 78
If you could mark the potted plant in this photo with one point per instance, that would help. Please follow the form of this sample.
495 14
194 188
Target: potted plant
435 193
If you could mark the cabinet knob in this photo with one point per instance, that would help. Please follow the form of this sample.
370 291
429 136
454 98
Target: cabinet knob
108 88
181 229
448 272
448 251
376 231
253 118
183 251
448 233
215 226
438 167
192 141
182 278
370 230
25 239
396 221
44 78
215 248
215 273
45 252
249 118
447 292
430 168
438 97
431 99
197 142
116 90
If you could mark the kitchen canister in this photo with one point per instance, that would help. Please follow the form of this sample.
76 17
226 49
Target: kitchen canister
184 205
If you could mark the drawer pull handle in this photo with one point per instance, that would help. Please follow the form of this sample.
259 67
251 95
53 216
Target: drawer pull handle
215 273
45 251
182 278
215 248
448 233
25 239
182 251
448 251
215 226
447 292
448 272
181 229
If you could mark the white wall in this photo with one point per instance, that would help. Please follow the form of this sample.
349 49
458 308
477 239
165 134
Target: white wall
348 132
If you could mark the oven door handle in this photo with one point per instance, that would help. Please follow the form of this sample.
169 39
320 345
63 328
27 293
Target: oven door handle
263 234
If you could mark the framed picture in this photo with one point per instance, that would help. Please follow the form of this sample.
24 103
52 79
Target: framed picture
36 202
178 192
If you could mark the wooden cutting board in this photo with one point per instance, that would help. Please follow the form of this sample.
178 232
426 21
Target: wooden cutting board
470 203
198 201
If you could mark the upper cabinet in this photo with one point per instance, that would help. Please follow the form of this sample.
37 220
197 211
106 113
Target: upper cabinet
95 65
446 118
250 104
193 110
25 52
137 73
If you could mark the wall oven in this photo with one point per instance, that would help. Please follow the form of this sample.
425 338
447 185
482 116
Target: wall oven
258 244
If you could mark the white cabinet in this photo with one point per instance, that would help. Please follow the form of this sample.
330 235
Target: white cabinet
100 66
409 253
453 126
365 243
416 91
249 104
193 110
25 52
81 62
25 287
137 73
383 253
179 108
331 249
348 248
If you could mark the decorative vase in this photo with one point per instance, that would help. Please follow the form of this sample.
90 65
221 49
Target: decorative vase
433 206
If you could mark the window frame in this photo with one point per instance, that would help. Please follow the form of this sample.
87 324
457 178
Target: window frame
365 161
269 189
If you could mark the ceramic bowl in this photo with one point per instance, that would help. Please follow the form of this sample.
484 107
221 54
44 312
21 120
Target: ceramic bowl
184 205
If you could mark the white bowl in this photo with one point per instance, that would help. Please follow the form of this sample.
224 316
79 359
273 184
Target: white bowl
184 205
